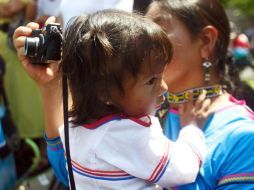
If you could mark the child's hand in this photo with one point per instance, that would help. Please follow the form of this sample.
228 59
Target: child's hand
47 77
195 112
43 75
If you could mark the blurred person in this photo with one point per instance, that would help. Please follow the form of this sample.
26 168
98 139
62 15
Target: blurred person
18 86
14 13
21 93
241 51
7 162
199 31
242 60
10 8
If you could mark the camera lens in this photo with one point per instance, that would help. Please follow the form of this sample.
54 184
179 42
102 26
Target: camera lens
31 46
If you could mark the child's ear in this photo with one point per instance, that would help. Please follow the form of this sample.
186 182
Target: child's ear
209 36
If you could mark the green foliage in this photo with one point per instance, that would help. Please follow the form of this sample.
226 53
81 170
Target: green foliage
246 7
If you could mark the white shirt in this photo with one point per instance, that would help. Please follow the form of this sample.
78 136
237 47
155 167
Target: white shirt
133 154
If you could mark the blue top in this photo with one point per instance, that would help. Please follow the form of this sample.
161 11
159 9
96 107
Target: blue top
229 136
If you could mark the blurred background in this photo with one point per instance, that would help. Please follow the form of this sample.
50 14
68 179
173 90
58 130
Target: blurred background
241 15
23 160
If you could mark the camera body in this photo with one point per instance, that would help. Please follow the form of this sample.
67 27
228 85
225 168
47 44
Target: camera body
45 44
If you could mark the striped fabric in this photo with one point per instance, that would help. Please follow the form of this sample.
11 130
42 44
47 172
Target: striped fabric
237 178
161 167
53 144
115 175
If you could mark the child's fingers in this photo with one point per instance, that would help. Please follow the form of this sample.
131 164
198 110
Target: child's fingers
20 51
33 25
208 113
206 104
201 97
26 62
21 55
204 107
19 42
51 19
200 100
21 31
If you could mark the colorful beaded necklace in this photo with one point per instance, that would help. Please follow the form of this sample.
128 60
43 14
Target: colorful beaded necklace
182 97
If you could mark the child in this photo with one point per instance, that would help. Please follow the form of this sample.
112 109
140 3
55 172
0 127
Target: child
115 62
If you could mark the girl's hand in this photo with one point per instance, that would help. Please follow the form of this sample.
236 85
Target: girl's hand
43 75
195 112
47 77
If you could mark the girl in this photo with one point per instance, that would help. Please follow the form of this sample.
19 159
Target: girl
114 62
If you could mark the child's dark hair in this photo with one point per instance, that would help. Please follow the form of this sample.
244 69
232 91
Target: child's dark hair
99 50
197 14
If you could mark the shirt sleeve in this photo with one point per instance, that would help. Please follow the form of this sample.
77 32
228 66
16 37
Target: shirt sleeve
56 158
236 165
144 152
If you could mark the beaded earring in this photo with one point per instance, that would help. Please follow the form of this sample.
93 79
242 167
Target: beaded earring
207 68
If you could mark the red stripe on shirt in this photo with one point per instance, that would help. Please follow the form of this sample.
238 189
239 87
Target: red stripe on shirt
161 164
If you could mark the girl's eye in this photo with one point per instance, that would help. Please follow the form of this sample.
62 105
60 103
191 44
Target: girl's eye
151 81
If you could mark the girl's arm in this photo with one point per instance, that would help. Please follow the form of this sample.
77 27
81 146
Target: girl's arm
48 79
56 158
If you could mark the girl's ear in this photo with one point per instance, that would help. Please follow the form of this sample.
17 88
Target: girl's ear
209 36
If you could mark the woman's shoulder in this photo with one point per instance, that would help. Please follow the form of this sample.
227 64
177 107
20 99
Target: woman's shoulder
235 128
243 131
233 121
232 109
